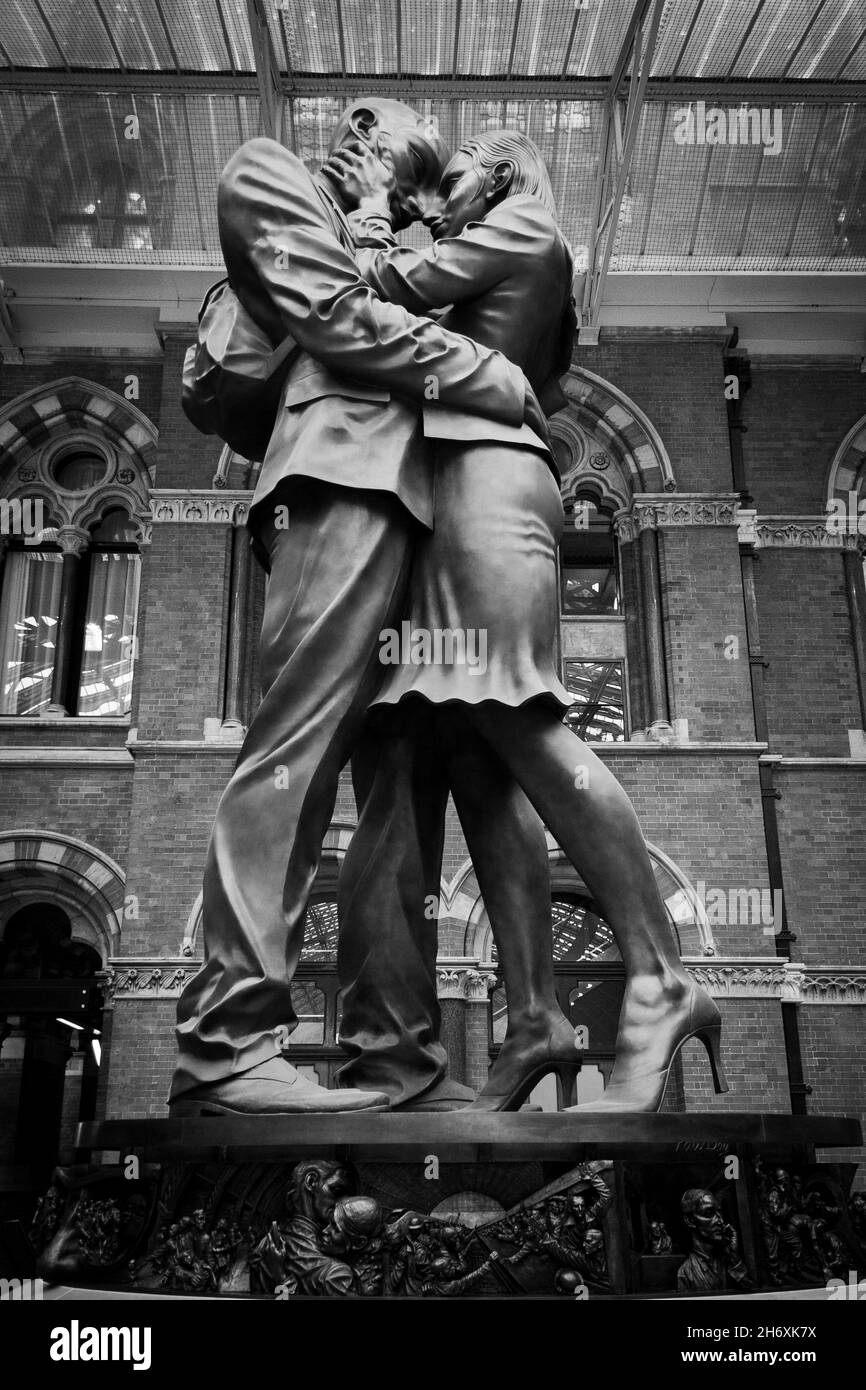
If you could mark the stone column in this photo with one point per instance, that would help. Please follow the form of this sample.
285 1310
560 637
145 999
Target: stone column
463 990
657 690
856 591
73 542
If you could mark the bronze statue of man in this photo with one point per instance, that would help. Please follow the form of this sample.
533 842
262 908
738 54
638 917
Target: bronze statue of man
347 468
715 1261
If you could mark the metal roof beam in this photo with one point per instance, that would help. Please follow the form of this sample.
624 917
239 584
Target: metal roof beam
618 144
631 41
463 88
267 71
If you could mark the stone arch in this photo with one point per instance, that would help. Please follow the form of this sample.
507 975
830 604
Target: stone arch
38 425
40 865
233 469
847 471
632 457
686 911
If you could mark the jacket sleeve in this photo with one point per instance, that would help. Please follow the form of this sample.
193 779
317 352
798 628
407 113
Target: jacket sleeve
292 275
453 269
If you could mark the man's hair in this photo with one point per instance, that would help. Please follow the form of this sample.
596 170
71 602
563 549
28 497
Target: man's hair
530 170
691 1199
420 133
323 1167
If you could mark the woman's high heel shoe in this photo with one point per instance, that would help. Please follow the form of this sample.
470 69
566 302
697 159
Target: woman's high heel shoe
559 1056
643 1090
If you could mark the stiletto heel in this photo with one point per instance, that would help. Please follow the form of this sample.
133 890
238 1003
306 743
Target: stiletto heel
513 1100
712 1040
566 1073
562 1059
630 1088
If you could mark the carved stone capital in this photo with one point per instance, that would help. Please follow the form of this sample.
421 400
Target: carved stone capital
463 979
787 981
820 986
651 511
759 979
73 540
135 978
806 533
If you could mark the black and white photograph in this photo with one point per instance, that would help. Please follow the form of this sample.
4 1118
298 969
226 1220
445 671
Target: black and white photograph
432 675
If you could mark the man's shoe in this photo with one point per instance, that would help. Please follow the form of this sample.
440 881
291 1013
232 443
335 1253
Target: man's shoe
443 1095
272 1088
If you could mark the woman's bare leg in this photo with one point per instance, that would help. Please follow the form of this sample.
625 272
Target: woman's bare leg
595 823
508 847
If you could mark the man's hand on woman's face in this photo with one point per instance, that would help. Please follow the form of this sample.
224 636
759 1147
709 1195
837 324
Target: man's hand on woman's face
362 178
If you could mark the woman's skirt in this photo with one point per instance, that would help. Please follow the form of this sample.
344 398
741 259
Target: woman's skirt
483 607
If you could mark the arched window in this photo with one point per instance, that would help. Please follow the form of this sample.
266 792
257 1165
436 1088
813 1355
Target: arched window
104 684
51 1006
76 469
589 579
37 945
68 613
593 635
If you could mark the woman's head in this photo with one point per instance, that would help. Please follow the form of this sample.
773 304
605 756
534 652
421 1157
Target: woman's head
499 164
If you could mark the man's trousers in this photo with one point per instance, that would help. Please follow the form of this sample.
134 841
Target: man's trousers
339 575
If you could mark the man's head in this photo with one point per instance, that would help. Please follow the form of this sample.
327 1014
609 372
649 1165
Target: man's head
701 1214
355 1223
499 164
593 1242
408 143
317 1185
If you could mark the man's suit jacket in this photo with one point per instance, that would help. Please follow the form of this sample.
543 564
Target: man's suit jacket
349 413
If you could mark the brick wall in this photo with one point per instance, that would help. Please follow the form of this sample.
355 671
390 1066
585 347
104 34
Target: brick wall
678 381
822 828
796 415
107 371
703 614
182 643
91 805
753 1056
805 623
705 813
175 797
143 1056
832 1037
186 457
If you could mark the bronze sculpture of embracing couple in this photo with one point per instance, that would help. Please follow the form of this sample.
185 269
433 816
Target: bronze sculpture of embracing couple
410 454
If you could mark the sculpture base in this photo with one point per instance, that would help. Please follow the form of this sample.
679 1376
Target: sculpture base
456 1205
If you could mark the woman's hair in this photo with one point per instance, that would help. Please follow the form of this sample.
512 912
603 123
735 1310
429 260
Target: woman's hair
530 171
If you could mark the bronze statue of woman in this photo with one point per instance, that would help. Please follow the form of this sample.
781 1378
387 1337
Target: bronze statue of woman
492 731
